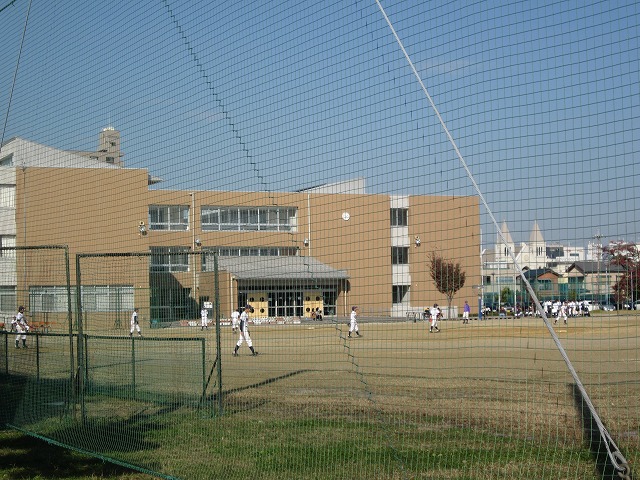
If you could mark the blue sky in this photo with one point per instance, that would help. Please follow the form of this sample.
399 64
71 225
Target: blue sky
542 98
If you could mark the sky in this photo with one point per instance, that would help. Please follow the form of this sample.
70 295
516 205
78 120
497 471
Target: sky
542 98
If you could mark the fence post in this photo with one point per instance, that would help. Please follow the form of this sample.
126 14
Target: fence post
216 294
37 357
204 366
80 351
6 353
133 366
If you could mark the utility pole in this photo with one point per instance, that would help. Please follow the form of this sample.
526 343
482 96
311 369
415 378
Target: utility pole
598 237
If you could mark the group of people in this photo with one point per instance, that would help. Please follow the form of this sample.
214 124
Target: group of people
566 309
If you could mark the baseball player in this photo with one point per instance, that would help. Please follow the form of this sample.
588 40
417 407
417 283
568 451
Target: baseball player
21 326
353 323
204 321
562 312
244 331
134 323
434 312
235 318
465 312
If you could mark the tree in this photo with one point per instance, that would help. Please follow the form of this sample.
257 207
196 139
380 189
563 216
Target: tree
507 295
447 276
626 255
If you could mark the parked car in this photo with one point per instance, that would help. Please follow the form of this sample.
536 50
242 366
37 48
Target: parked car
607 307
636 305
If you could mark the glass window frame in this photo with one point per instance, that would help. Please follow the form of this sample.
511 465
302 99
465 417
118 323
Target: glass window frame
169 217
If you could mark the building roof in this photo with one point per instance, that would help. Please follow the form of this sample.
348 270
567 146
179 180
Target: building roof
536 234
280 268
506 234
31 154
594 267
538 272
354 185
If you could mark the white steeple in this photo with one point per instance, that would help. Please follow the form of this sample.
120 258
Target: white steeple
502 249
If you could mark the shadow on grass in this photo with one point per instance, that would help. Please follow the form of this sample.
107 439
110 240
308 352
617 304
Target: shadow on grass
25 411
214 398
597 445
22 456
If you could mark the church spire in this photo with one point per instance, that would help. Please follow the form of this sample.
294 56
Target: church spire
503 249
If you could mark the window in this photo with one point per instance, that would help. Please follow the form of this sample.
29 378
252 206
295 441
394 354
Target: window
399 217
283 219
207 259
170 303
8 196
107 298
8 299
399 292
399 255
7 161
168 217
8 241
50 299
169 259
544 285
110 159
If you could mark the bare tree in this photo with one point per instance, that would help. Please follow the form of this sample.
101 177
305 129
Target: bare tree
447 276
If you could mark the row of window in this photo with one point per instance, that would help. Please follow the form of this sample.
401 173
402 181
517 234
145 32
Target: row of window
212 218
176 217
176 259
100 298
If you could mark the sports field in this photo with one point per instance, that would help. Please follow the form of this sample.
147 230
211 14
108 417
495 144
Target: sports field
473 401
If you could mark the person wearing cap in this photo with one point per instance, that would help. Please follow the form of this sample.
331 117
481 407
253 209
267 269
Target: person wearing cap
244 331
353 324
435 312
466 311
135 325
21 326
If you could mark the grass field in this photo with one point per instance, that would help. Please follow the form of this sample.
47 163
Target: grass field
481 401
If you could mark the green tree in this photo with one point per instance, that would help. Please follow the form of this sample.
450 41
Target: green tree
447 276
507 295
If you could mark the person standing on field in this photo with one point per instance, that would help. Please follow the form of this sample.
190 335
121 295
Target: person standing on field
434 312
235 318
562 312
353 321
19 322
135 325
244 332
204 321
465 312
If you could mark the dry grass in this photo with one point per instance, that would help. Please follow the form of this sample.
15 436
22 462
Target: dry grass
482 400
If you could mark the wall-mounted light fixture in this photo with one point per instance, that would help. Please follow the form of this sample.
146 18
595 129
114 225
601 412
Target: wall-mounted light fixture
142 228
306 242
417 241
198 242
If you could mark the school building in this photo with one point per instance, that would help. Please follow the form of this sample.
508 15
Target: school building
286 253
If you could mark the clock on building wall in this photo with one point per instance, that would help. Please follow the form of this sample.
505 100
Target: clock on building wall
346 216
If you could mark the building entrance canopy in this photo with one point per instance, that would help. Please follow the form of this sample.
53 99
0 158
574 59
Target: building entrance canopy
280 268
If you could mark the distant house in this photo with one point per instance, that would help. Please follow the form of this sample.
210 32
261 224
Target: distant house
543 281
592 280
